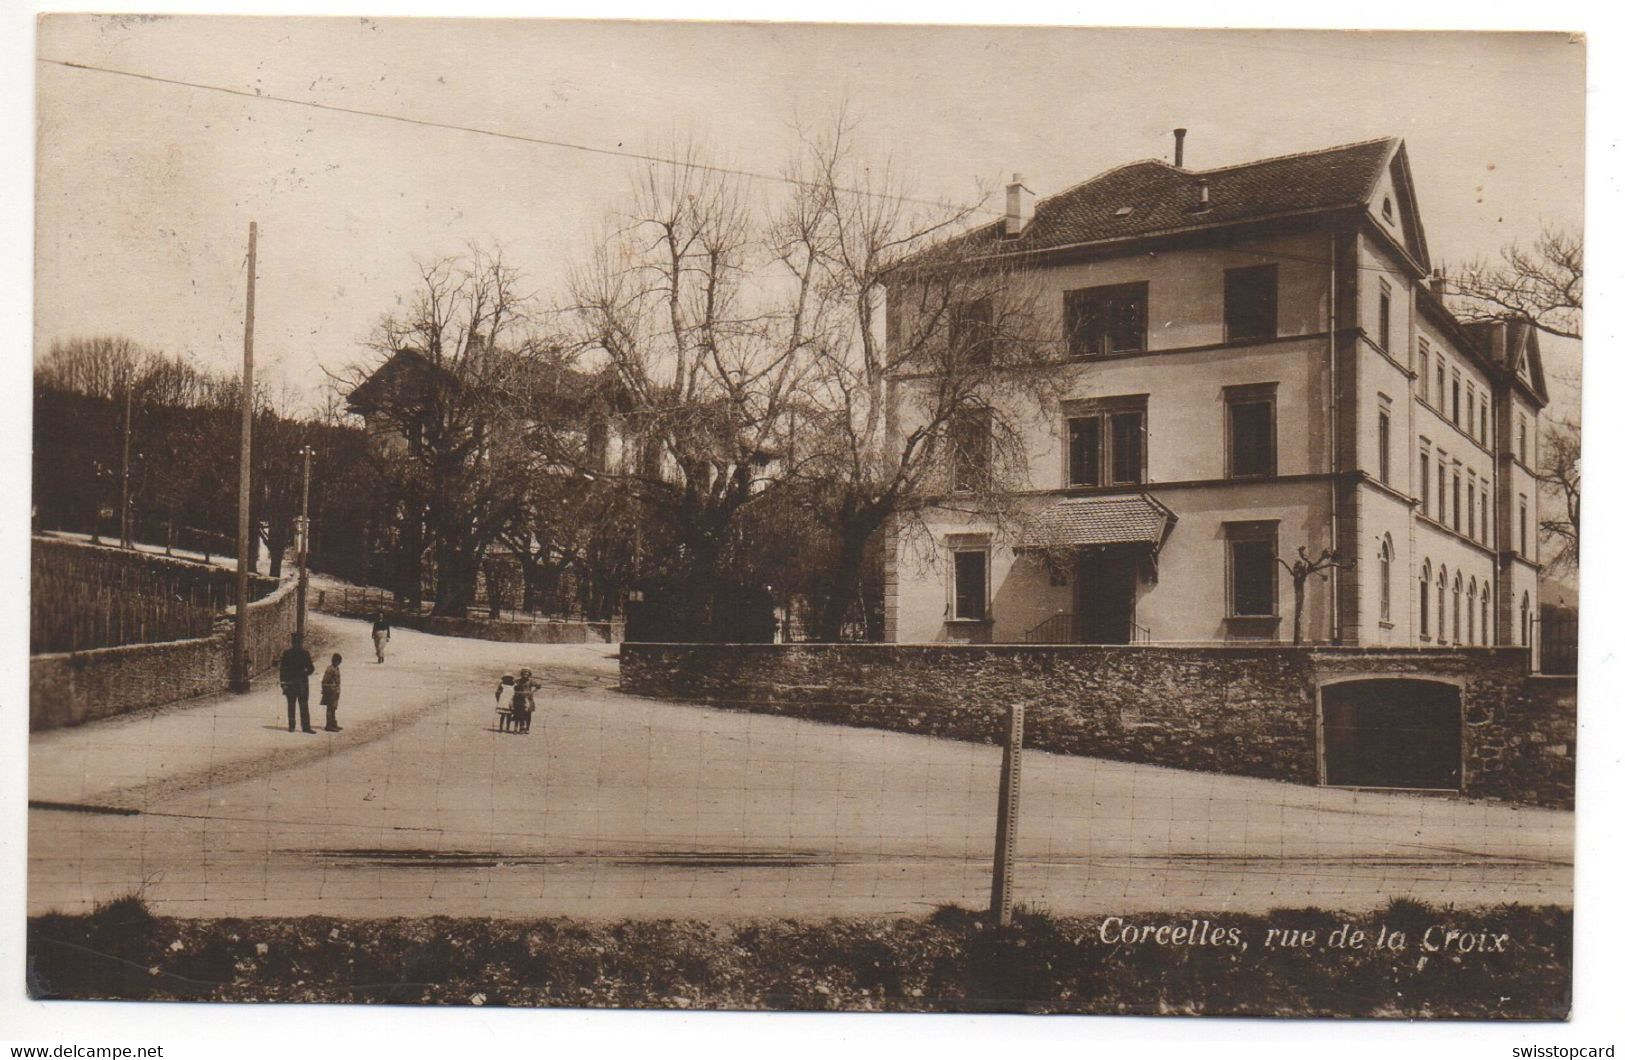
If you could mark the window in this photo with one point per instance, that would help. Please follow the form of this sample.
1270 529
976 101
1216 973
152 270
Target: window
1252 569
1455 501
1083 449
1455 614
1424 591
1385 316
1249 303
1523 620
1472 606
1426 478
1455 398
971 440
1250 413
1523 440
1106 320
970 584
1422 368
1523 526
1438 376
1443 493
1484 515
1382 445
1106 442
1484 616
1472 407
1385 570
1127 448
1484 419
1388 209
1443 577
1472 506
970 331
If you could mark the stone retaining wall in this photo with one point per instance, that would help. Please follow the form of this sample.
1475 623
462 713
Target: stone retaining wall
560 632
1250 711
70 688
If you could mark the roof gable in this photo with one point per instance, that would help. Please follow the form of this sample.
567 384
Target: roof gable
1392 204
1513 347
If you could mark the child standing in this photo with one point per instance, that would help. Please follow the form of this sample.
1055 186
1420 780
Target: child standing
330 693
505 703
524 700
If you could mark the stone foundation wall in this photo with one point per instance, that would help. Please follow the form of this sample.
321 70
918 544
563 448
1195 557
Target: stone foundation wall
474 628
515 632
1250 711
74 687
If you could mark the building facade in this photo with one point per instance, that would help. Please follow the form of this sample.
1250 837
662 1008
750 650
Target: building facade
1253 360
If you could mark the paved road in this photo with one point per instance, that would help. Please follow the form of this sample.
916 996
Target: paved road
619 806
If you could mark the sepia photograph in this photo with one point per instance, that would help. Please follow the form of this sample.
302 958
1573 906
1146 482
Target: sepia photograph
547 513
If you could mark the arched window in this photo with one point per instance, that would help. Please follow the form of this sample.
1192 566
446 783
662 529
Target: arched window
1472 609
1523 619
1484 613
1455 611
1385 567
1424 592
1443 574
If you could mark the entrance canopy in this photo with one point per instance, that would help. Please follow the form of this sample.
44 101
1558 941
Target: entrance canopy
1099 522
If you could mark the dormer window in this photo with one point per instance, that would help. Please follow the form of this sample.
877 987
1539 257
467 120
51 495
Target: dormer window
1123 211
1388 209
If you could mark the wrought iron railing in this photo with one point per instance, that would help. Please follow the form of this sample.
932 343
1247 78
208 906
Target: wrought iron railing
1063 627
1059 628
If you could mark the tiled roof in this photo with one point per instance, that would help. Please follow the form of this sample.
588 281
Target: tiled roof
1096 521
1150 197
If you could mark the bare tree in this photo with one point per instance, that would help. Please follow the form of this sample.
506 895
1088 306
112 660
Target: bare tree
930 352
1301 570
451 453
1560 472
702 346
1541 285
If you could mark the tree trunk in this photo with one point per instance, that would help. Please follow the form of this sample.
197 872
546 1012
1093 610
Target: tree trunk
844 583
277 544
1297 611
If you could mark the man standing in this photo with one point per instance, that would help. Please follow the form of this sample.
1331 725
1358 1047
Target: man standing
380 635
294 671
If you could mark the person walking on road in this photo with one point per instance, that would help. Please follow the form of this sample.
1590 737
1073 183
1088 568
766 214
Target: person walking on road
330 693
294 671
380 635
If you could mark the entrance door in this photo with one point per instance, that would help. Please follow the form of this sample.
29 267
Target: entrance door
1104 599
1391 733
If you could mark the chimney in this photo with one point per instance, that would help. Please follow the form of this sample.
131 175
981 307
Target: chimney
1179 148
1018 206
1436 283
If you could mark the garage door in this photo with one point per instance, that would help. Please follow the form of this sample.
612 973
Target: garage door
1391 733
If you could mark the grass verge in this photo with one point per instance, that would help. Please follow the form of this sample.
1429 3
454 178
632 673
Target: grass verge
950 961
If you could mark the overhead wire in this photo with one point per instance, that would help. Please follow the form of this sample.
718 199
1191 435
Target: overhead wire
616 152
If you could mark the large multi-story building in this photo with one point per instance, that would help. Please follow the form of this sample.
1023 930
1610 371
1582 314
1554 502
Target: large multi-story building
1257 360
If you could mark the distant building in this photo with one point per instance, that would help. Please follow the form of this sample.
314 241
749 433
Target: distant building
1258 358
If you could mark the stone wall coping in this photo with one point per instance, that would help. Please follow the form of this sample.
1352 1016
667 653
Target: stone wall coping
179 563
1006 649
116 651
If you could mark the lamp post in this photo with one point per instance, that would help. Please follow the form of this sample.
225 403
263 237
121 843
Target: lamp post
304 542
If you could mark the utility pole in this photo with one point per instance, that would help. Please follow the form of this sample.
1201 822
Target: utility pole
304 544
124 488
239 654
